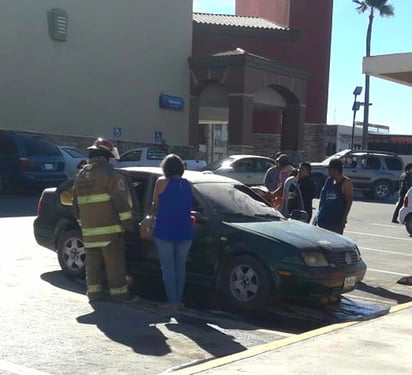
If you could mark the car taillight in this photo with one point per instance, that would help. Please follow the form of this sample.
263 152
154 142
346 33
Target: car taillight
406 202
24 163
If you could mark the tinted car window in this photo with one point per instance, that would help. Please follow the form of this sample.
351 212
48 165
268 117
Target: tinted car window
7 145
132 156
371 162
226 198
38 146
243 166
156 154
263 165
394 164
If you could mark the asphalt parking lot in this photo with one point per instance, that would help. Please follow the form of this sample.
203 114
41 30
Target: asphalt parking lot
46 308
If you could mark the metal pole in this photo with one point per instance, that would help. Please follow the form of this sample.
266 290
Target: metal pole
353 129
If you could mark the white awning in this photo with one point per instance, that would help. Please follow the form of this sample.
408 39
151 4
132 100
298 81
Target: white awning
394 67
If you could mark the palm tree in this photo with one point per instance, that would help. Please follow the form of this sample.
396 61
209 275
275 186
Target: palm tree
385 10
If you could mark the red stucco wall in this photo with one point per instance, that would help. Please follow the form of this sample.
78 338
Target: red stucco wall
314 19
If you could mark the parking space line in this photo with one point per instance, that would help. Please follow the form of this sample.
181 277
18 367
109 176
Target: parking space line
18 369
379 235
385 251
387 225
388 272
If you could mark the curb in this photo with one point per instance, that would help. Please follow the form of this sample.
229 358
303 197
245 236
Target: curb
260 349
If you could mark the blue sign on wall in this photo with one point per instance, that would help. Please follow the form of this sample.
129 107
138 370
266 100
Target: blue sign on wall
175 103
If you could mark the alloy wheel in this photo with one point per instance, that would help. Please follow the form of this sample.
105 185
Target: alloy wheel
74 253
244 283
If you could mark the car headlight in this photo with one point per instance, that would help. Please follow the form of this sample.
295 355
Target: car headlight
315 259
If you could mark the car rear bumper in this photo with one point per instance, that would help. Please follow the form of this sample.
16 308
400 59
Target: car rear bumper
44 235
321 281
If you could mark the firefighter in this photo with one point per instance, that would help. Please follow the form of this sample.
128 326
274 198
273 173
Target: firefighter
103 208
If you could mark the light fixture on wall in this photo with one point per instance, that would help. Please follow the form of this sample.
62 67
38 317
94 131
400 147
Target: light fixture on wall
57 20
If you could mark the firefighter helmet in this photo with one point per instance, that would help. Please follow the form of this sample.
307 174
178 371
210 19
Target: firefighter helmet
105 145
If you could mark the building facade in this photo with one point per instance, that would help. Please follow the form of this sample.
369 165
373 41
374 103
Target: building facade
264 74
96 68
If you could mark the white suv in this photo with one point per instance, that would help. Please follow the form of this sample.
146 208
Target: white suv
405 213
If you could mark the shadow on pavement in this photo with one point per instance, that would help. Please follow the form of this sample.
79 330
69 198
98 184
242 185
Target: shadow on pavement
218 343
59 280
385 293
18 205
131 327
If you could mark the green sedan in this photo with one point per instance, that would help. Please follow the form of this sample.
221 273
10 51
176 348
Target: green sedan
243 246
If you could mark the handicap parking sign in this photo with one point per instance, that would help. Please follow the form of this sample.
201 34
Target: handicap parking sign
158 136
117 132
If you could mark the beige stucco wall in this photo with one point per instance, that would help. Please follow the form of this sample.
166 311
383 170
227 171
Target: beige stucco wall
118 58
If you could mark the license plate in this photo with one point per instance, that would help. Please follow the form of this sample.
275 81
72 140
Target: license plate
349 282
48 166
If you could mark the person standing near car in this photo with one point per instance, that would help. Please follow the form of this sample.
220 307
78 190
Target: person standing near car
307 187
173 231
404 184
103 207
336 199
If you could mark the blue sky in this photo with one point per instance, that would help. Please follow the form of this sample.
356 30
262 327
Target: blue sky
391 101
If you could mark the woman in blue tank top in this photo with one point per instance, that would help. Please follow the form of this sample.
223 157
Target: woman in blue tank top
173 232
335 199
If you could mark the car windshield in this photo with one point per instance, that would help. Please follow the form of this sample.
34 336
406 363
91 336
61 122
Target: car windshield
222 163
238 200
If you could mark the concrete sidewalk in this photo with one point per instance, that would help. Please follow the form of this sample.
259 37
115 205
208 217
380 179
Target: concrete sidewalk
377 346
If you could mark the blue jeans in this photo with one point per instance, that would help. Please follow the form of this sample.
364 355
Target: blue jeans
173 255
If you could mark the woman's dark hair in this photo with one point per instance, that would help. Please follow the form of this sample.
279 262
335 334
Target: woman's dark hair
172 165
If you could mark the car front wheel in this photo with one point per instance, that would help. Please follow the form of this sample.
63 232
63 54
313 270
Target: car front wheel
246 283
71 253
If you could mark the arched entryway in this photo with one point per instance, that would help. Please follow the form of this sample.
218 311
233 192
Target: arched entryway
262 101
276 119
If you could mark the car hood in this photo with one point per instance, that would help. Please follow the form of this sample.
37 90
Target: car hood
296 233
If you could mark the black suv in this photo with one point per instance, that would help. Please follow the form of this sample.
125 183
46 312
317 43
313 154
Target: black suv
29 161
375 173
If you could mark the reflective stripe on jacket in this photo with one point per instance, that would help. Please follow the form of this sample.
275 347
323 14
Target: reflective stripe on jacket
102 203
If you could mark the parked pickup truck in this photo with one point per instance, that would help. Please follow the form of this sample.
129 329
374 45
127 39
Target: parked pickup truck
375 173
151 157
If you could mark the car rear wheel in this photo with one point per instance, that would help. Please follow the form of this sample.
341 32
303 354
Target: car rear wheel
246 283
382 190
408 224
71 253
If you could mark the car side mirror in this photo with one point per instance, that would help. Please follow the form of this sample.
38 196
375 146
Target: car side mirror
299 215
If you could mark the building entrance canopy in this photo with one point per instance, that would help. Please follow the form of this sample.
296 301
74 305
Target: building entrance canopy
394 67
